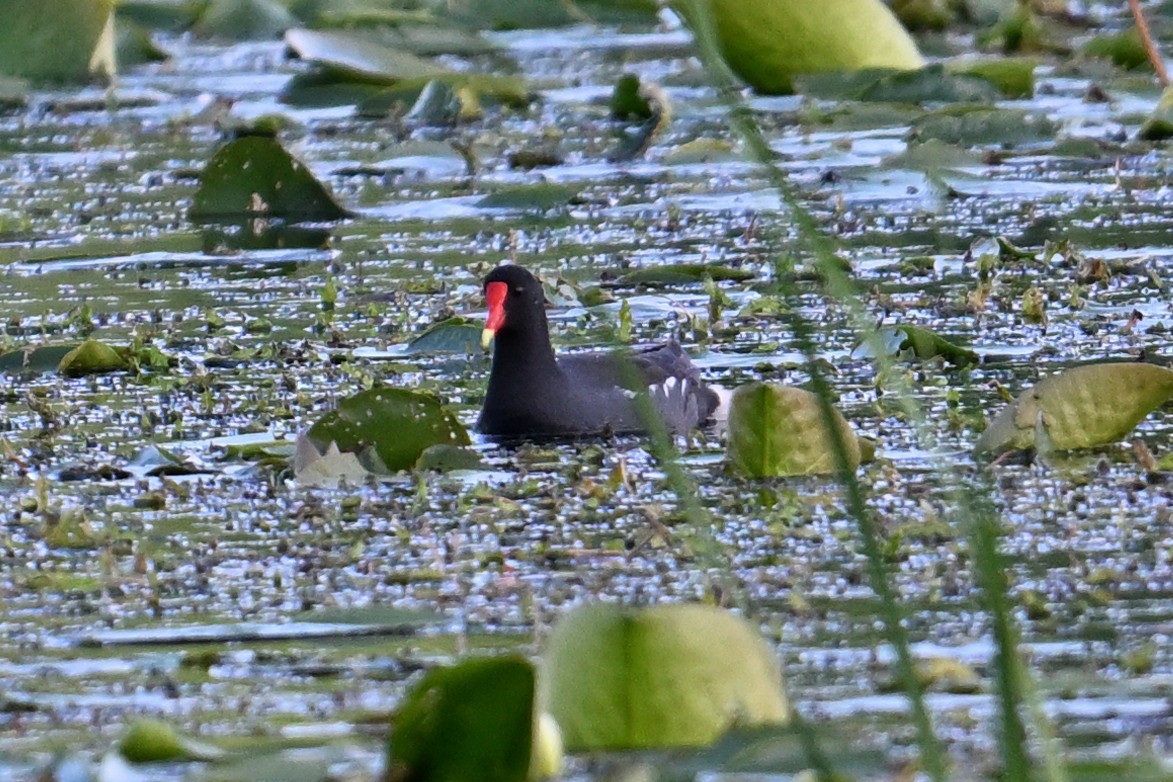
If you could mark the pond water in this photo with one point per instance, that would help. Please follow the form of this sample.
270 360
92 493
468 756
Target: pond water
256 612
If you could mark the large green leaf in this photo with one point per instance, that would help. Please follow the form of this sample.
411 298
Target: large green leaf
244 19
474 720
93 358
58 40
766 42
255 177
670 675
392 425
777 430
1082 407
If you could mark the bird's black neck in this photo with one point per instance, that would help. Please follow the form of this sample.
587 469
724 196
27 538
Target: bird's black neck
523 357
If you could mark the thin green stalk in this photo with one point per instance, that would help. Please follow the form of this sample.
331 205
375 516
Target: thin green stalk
822 248
1008 675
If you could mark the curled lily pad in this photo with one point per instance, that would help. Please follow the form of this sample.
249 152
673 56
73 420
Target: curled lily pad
92 358
1082 407
244 20
474 720
766 42
918 342
387 428
777 430
255 177
670 675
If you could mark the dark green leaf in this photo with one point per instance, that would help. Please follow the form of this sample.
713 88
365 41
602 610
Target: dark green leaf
92 358
393 424
255 177
538 198
474 720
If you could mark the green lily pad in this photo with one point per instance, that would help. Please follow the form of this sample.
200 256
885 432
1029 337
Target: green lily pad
92 358
1013 76
766 42
665 676
1082 407
455 335
393 425
446 458
474 720
153 741
255 177
777 430
34 361
540 197
359 57
683 274
977 125
58 40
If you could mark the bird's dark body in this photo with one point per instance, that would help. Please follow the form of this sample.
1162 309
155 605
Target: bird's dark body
533 393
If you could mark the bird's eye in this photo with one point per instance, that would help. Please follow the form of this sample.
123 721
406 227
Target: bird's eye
518 290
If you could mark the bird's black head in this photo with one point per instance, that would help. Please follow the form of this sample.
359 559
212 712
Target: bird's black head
517 305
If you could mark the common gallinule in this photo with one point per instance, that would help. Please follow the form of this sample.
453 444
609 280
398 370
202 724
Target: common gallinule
532 393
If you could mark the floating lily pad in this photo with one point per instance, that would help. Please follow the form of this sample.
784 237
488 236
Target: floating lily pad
446 458
1124 49
392 425
153 741
683 274
777 430
919 343
58 40
541 197
455 335
1082 407
627 102
34 360
92 358
1013 76
671 675
766 42
255 177
975 125
474 720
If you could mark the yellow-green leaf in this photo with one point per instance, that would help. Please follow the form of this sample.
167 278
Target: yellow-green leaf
669 675
767 41
1082 407
777 430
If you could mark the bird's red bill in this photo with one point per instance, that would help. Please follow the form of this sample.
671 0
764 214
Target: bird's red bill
495 293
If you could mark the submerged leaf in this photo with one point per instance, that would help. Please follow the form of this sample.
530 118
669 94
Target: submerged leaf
978 124
1082 407
670 675
255 177
777 430
474 720
540 197
766 42
359 57
394 425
